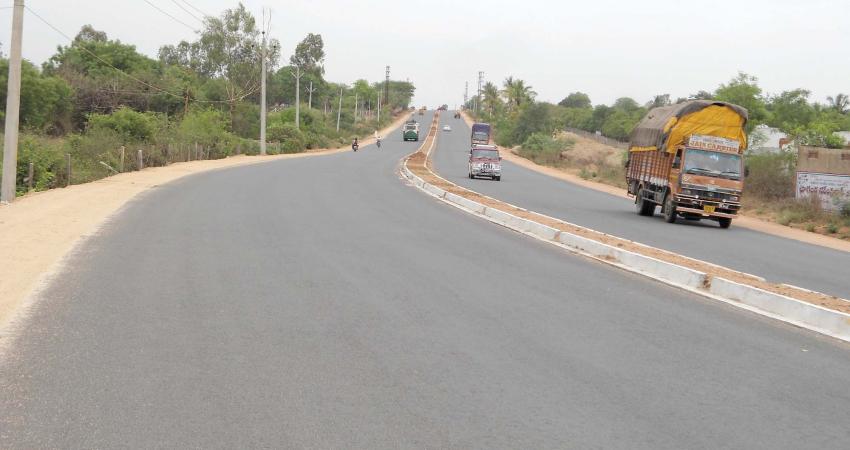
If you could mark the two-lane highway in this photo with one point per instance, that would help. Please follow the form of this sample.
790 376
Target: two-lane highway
323 303
774 258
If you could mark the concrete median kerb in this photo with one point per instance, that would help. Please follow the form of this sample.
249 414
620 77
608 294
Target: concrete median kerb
796 312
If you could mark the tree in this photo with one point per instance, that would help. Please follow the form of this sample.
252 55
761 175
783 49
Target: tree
576 100
228 48
743 90
310 54
46 101
516 92
840 103
791 111
491 101
659 100
626 104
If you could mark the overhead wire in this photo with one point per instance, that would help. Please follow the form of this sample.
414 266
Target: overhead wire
169 15
187 11
136 79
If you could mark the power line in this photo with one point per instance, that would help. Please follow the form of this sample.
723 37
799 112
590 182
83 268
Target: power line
187 11
142 82
169 15
196 9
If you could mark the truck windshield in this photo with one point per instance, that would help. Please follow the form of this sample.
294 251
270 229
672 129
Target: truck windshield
488 154
722 165
480 136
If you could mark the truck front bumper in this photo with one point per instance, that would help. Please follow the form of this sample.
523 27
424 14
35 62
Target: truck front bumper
707 207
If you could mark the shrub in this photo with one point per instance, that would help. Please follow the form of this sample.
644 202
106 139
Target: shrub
542 148
292 139
771 176
48 158
131 125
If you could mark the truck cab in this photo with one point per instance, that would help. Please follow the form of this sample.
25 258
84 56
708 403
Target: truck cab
485 161
480 134
410 131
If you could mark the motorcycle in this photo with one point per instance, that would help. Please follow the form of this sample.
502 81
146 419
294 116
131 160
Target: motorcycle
378 142
355 146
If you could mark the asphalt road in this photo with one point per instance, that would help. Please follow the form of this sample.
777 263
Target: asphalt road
774 258
323 303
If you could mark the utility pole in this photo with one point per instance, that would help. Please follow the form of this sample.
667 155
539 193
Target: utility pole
480 83
263 93
355 106
297 74
387 87
13 107
379 109
339 111
311 90
465 93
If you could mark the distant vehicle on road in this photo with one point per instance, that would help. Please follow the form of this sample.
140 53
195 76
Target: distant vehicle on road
422 111
457 115
480 134
447 128
410 131
687 158
484 161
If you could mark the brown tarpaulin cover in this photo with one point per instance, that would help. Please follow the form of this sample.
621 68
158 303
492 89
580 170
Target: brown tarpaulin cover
666 127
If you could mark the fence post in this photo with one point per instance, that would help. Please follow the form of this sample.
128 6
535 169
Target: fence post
68 182
141 161
122 158
30 174
196 150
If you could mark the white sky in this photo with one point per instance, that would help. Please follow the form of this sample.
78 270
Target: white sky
605 48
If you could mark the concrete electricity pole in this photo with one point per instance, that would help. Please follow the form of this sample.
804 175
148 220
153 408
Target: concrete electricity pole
355 106
387 87
311 90
480 83
465 93
339 110
297 74
13 107
263 97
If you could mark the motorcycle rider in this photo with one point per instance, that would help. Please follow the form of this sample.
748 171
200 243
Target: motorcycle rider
377 139
355 145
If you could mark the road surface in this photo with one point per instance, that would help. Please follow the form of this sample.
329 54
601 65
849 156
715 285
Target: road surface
323 303
774 258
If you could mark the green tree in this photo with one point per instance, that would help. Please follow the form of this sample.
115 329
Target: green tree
790 111
46 101
840 103
310 54
743 90
576 100
491 101
516 92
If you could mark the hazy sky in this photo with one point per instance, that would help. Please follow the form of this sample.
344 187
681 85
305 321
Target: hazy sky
605 48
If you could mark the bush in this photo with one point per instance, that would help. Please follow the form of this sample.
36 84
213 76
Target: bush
48 158
542 148
771 176
292 139
133 126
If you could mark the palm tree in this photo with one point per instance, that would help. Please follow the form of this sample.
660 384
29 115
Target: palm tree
839 103
491 99
516 92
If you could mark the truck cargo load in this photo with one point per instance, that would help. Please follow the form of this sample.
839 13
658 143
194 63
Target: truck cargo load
687 158
480 134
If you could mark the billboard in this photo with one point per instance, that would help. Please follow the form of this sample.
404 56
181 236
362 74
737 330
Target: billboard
833 190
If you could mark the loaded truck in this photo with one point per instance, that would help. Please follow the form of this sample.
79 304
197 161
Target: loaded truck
410 131
480 134
687 158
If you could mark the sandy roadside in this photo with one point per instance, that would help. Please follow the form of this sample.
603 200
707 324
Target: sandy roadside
39 229
742 221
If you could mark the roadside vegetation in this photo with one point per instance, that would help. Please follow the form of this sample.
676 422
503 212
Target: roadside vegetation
590 140
195 100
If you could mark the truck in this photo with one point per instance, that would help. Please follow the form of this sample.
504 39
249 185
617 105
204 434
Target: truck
410 131
484 161
480 134
687 158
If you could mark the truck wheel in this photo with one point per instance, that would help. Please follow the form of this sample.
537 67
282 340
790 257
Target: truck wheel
499 178
669 209
724 222
643 206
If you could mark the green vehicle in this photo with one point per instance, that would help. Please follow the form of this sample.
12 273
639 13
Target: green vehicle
410 132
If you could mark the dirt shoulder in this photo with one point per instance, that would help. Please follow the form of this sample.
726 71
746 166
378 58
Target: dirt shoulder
745 221
39 229
419 164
